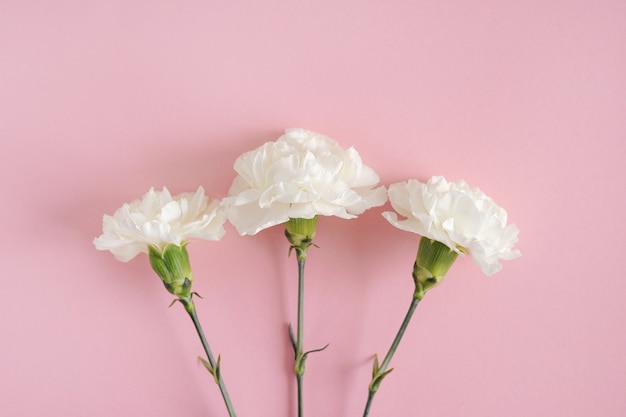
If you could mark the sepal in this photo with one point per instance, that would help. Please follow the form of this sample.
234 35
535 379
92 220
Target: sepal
432 263
300 233
172 266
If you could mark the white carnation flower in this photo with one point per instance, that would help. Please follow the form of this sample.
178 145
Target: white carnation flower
463 218
301 175
159 219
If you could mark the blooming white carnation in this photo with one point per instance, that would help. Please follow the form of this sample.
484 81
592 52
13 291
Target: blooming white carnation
463 218
300 175
159 219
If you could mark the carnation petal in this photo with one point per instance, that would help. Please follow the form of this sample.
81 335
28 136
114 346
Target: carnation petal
464 219
300 175
249 219
170 212
158 219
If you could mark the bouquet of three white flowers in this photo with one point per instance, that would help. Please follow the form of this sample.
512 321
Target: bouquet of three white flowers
291 182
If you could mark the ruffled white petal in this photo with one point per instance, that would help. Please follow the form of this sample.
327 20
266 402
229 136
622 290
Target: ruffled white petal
463 218
158 219
300 175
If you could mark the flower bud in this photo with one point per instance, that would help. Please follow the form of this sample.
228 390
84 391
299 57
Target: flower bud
432 263
300 233
172 266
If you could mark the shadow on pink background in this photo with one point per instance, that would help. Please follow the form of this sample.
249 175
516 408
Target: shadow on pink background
102 100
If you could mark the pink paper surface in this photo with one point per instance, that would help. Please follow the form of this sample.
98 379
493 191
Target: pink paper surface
99 101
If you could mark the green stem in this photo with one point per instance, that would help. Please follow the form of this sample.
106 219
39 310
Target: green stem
191 309
370 397
299 366
381 372
299 379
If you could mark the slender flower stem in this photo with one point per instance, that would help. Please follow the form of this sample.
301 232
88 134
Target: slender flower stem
191 309
380 372
299 379
300 358
300 233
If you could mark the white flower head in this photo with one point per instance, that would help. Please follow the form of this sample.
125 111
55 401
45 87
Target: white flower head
159 219
301 175
463 218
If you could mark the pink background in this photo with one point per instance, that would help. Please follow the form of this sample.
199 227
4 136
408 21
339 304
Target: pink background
524 99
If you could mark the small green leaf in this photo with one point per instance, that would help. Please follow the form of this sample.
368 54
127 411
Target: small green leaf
218 372
375 368
292 337
378 379
206 364
317 350
215 372
299 365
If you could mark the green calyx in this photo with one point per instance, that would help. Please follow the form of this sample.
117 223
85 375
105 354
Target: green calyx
432 263
300 233
172 266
